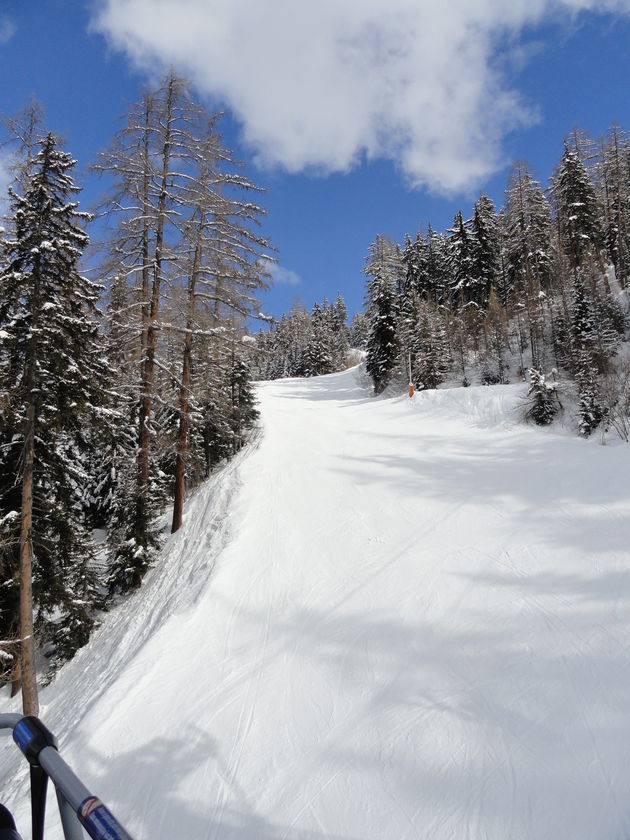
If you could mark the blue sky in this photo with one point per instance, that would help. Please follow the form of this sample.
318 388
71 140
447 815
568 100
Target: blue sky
358 118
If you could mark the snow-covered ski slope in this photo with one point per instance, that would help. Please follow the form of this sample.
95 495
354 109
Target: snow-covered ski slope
413 622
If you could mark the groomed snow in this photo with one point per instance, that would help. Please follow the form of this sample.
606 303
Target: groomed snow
387 619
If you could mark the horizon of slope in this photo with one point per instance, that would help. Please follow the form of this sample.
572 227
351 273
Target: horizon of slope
386 618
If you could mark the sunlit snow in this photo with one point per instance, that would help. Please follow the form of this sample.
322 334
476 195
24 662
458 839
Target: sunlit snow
389 618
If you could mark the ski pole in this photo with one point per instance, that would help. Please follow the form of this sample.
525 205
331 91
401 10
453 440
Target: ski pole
77 806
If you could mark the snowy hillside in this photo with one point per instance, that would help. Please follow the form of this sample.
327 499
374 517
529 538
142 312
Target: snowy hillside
413 623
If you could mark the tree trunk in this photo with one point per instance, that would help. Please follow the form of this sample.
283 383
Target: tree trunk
16 675
149 362
182 441
184 391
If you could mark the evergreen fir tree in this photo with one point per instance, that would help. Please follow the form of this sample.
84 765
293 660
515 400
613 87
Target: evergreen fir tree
430 353
359 331
319 348
485 251
339 331
53 375
576 206
583 348
614 175
383 270
460 252
542 398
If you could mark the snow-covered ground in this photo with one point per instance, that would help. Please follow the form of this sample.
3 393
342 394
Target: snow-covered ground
414 622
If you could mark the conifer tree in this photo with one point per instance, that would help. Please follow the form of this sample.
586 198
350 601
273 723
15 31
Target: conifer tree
53 378
583 347
384 269
340 332
485 251
576 206
542 398
429 353
528 251
460 252
437 278
615 198
319 348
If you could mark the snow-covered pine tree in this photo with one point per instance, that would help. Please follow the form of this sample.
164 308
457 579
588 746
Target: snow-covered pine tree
542 398
243 411
437 278
339 331
53 373
319 348
383 269
583 349
460 262
359 331
577 210
415 260
485 251
529 255
430 353
614 197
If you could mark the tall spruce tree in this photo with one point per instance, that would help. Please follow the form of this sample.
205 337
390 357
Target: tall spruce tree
576 205
460 262
53 374
485 251
614 177
384 269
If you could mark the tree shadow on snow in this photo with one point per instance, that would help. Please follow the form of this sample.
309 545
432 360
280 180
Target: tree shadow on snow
160 771
556 491
496 722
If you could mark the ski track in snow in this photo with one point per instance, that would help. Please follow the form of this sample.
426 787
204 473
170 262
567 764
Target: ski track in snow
387 618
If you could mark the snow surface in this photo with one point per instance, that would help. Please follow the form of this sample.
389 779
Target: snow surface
386 619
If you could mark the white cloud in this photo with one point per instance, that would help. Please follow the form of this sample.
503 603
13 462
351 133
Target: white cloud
7 29
283 276
317 85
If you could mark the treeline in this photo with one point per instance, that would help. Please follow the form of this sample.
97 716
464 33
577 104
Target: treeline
535 286
117 393
303 343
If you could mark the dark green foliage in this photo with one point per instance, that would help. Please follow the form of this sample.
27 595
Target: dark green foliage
485 251
460 262
383 268
318 353
48 314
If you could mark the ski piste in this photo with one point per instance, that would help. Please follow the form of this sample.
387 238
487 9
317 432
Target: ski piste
78 808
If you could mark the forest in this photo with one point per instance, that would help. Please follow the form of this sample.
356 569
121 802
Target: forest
535 292
124 377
